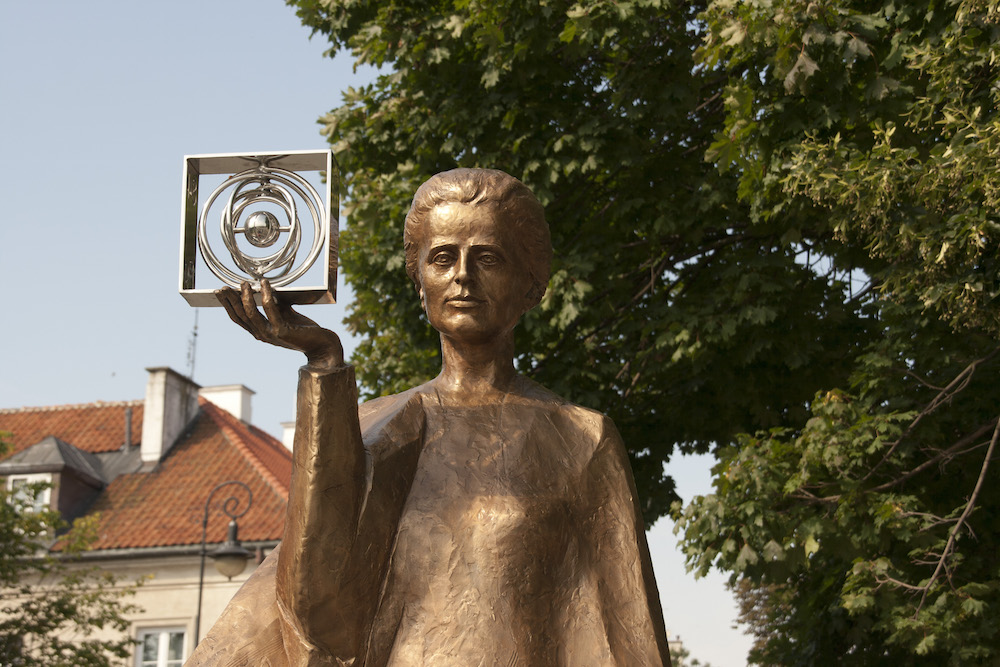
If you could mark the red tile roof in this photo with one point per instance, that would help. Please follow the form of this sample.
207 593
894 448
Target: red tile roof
165 506
92 427
271 458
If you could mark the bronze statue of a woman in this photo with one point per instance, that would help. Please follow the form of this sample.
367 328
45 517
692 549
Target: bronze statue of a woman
477 519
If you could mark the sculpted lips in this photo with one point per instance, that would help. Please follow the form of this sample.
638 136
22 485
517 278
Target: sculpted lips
463 301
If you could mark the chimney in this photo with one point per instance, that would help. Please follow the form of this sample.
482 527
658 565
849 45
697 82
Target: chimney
288 434
171 403
233 398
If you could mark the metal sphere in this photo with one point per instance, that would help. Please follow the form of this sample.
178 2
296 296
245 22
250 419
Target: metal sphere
262 228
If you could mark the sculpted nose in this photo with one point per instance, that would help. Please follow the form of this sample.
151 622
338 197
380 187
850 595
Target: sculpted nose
463 270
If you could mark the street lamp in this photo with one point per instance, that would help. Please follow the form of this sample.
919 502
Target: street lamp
230 558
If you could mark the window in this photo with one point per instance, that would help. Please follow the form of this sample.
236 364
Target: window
160 647
21 488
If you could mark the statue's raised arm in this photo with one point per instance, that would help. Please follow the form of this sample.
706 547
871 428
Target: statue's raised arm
327 481
477 519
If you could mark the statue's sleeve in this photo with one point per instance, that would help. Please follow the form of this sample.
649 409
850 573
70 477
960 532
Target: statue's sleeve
325 498
616 549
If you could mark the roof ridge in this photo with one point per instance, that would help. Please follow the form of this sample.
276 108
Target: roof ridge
227 423
72 406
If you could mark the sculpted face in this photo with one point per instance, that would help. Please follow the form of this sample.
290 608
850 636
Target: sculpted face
473 281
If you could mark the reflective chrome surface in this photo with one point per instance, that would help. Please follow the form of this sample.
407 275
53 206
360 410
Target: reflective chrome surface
262 204
262 229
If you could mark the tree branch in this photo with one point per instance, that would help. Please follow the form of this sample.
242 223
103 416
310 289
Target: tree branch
955 386
960 447
953 534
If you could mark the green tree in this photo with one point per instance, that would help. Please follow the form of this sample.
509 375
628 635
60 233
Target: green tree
668 307
49 606
817 301
869 531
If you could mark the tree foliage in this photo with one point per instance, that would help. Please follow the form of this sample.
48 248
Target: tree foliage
870 529
50 606
775 230
669 308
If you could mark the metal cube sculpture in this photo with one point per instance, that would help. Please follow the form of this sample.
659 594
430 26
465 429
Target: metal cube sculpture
263 206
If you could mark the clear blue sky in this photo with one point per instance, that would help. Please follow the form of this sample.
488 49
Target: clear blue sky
100 102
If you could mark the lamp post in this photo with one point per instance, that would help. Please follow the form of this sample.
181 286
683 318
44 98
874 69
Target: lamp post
230 558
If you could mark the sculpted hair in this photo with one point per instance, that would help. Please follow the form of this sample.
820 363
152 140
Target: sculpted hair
512 204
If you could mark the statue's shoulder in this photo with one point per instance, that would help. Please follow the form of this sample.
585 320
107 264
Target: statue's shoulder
383 406
583 425
543 396
393 420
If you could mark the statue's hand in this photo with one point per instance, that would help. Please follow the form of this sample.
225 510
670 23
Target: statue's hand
282 326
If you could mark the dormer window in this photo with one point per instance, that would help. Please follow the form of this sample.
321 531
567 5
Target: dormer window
23 489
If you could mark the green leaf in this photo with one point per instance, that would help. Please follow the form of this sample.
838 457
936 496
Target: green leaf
803 68
747 556
568 32
810 546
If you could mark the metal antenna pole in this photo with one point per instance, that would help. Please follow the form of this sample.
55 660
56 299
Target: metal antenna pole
192 347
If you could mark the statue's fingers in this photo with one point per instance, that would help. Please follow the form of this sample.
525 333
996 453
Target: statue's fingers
276 315
230 300
259 326
279 310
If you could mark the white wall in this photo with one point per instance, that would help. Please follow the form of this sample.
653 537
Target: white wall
170 597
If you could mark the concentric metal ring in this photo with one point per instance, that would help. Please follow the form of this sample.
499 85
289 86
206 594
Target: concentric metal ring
250 189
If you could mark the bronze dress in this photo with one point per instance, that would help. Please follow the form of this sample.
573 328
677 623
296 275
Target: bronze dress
420 533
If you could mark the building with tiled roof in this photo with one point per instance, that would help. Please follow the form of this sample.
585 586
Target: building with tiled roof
146 468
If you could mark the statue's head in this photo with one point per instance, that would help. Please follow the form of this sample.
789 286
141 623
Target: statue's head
512 206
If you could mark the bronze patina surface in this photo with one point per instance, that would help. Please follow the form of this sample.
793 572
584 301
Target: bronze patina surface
477 519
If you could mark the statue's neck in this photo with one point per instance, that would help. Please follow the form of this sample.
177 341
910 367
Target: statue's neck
476 372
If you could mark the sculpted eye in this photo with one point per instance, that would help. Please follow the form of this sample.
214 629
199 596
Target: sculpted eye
441 259
488 259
